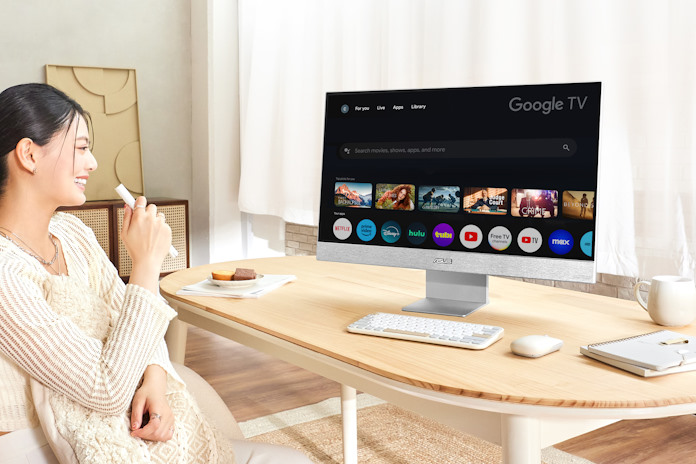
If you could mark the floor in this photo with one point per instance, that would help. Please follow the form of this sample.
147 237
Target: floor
253 384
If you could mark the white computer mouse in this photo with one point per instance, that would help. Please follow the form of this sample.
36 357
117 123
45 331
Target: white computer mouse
534 346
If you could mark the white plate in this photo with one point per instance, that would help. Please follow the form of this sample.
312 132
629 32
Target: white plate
235 283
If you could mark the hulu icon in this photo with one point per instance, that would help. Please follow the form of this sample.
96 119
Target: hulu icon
416 233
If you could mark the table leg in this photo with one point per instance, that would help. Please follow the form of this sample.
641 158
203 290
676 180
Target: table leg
176 340
521 439
349 412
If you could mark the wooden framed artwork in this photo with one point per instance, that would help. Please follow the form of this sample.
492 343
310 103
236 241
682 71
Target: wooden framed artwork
110 96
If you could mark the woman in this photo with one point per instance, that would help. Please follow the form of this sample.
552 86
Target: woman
400 196
81 351
403 198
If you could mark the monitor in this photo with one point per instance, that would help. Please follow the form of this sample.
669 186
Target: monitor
464 183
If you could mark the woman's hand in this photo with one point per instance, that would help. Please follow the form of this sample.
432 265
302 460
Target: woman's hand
150 398
147 238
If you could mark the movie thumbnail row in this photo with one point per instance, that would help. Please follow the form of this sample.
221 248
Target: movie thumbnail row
519 202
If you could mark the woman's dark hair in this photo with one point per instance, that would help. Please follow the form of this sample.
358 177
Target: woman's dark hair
36 111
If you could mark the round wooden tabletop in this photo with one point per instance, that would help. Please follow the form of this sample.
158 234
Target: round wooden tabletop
314 310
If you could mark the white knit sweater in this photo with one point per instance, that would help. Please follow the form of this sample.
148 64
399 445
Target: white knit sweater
35 341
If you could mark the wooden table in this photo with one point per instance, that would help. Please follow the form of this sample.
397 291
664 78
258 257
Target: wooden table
523 404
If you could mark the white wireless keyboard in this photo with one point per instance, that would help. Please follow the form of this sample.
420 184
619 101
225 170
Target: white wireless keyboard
428 330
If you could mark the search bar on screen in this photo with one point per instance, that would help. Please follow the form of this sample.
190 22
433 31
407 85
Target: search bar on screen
507 148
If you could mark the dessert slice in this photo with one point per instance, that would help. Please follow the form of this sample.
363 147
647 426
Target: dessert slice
244 274
222 275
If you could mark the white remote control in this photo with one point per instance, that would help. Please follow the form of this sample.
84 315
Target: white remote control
130 201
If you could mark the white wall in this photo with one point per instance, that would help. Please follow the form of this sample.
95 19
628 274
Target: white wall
185 53
151 36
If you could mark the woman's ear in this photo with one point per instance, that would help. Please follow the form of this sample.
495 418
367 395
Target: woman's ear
24 151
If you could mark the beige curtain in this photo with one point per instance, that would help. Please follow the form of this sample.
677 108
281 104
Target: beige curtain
643 51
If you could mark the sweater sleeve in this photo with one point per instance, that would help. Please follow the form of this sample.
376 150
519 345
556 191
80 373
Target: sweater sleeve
161 358
53 350
112 290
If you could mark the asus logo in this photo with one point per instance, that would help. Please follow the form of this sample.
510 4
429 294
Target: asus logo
442 261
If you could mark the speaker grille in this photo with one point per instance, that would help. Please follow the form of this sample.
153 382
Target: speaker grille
96 219
175 216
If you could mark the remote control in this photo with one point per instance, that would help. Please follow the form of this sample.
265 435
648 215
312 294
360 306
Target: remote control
130 201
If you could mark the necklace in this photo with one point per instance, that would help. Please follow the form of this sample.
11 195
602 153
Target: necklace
31 251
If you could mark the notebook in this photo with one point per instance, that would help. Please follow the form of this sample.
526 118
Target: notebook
642 371
266 284
657 351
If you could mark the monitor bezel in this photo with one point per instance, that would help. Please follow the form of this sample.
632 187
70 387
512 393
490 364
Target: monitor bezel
560 269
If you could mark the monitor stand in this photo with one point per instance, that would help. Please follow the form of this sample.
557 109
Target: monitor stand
452 294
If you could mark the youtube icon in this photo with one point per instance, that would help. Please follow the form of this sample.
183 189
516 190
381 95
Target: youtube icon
526 239
470 236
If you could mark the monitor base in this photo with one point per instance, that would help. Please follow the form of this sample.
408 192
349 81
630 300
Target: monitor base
452 294
443 307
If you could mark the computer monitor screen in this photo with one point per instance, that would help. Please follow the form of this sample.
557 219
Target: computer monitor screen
464 183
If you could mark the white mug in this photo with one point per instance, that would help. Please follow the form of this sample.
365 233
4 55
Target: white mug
671 300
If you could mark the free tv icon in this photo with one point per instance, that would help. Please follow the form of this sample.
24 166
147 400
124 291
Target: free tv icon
499 238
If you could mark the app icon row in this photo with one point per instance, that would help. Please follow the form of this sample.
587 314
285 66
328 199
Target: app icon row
499 238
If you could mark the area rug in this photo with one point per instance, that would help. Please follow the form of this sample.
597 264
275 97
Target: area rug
386 435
